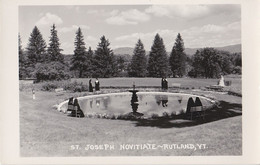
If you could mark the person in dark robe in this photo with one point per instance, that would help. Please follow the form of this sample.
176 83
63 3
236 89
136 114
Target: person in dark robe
97 85
162 84
90 87
190 104
78 111
165 84
70 105
198 102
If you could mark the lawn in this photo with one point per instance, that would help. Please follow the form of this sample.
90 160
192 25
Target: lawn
47 132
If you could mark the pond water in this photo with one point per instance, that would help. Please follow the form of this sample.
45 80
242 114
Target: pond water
145 103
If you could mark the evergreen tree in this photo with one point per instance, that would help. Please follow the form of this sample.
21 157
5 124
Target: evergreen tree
36 47
178 58
121 63
104 60
89 60
79 59
158 60
22 60
54 51
139 61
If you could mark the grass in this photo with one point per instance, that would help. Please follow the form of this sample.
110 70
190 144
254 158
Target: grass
47 132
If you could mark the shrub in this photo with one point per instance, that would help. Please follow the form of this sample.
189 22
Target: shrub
75 87
51 71
154 116
237 70
49 86
166 115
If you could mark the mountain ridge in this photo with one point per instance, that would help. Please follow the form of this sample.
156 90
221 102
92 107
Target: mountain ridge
189 51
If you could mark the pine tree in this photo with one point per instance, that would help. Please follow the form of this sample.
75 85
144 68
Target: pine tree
22 59
79 59
36 47
104 60
158 60
89 60
139 62
54 51
178 58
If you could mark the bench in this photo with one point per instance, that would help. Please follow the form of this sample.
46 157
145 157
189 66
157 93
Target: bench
215 87
199 110
228 83
70 108
176 85
73 111
59 91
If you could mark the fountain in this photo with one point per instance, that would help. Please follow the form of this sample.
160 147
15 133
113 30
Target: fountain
142 106
134 102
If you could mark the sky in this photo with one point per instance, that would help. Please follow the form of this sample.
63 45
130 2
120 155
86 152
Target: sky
199 25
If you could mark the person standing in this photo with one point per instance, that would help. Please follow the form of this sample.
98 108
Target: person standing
33 94
90 87
162 83
165 83
97 85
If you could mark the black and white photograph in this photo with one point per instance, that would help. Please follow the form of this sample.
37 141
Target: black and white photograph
131 80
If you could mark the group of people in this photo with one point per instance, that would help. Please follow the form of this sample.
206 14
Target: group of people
164 83
74 109
191 103
97 85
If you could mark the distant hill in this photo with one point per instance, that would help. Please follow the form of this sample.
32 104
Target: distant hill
188 51
230 48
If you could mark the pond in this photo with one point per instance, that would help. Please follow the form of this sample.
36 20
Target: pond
146 104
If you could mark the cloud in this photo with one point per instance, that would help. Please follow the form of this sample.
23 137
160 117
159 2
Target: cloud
213 35
91 38
49 19
129 17
210 28
194 11
73 28
208 35
147 38
183 11
67 47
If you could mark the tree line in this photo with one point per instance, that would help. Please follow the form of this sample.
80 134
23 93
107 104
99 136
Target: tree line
48 63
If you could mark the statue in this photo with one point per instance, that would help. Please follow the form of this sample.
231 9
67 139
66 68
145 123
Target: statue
222 81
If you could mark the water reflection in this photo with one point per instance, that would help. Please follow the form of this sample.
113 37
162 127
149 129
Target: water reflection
179 99
91 103
106 102
134 102
97 102
158 99
161 99
164 101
